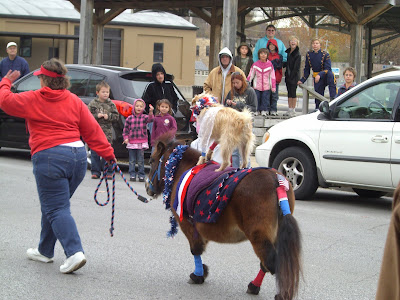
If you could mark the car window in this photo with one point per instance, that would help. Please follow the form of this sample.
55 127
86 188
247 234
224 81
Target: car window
375 102
30 83
83 83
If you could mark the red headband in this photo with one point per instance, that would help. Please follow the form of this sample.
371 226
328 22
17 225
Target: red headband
46 72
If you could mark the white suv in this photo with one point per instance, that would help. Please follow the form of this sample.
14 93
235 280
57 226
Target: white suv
353 141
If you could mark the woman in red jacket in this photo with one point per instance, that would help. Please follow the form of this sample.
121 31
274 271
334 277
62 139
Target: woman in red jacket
56 119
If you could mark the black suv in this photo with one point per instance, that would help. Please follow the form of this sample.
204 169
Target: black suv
125 85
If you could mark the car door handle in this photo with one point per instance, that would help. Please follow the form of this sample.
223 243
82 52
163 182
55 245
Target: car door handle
380 139
397 139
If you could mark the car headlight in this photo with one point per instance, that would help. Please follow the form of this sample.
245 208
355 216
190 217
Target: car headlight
265 137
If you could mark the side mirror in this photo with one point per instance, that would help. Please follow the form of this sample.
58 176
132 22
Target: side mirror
324 109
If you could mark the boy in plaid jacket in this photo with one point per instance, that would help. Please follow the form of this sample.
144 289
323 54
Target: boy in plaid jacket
136 138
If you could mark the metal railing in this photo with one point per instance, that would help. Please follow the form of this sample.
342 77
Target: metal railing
307 90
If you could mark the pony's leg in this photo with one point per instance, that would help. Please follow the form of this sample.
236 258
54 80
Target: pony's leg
254 286
197 246
268 264
200 271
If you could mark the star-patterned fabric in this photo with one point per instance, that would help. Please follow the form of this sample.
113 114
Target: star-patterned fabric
211 201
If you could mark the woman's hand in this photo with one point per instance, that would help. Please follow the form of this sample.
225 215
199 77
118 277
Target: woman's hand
12 75
151 108
125 141
317 78
299 82
229 102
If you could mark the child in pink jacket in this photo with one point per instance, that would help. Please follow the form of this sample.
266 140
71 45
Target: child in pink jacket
263 75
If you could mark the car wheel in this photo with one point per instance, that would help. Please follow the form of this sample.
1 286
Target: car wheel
299 168
369 193
89 156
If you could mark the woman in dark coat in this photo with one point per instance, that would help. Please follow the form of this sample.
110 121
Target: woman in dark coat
292 74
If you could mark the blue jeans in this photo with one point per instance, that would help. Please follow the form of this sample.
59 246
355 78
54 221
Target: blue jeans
98 163
263 98
136 156
58 172
274 99
237 159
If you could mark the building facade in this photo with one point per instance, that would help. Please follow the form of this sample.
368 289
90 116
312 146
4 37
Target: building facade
44 29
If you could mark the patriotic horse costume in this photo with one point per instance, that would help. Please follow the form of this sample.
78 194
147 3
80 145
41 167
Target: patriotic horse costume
229 206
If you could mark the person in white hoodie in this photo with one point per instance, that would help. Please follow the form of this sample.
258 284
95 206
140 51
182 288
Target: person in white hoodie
218 82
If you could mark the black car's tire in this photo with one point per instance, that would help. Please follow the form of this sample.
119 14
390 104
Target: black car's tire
299 168
369 193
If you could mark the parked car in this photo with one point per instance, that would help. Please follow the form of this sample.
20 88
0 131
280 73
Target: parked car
353 141
126 85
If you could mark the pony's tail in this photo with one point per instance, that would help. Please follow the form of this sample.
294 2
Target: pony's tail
289 264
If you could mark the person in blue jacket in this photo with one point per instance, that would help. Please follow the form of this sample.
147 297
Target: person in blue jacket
320 62
262 43
13 62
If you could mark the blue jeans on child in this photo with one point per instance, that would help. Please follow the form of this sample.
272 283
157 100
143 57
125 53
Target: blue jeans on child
136 156
98 163
263 99
274 99
58 172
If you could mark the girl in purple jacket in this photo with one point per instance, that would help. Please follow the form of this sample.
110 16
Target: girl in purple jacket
163 121
263 75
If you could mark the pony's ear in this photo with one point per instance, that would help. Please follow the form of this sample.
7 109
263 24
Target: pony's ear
160 146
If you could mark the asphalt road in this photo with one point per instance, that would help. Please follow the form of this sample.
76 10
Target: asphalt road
343 240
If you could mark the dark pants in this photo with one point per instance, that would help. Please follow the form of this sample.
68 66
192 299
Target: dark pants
326 80
264 100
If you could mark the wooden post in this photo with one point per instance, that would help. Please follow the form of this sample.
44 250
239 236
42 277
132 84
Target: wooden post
370 61
356 40
85 32
215 37
304 108
98 38
229 25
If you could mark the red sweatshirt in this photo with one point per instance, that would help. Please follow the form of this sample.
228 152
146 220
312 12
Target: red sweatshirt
54 117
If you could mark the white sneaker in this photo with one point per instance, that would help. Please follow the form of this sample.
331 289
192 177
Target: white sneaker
274 113
264 113
34 254
292 113
73 263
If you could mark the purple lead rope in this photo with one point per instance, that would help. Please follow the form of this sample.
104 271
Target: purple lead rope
104 176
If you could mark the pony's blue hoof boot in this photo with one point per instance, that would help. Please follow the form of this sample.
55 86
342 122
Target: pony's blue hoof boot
252 289
194 279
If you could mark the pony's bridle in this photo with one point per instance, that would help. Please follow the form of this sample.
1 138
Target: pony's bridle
156 173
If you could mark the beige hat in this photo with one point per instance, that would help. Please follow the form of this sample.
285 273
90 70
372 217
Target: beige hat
11 44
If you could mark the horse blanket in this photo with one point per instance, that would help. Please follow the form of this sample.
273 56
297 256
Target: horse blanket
203 193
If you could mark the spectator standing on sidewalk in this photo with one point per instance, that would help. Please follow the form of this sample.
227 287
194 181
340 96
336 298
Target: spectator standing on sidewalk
292 74
13 62
270 32
105 112
244 59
